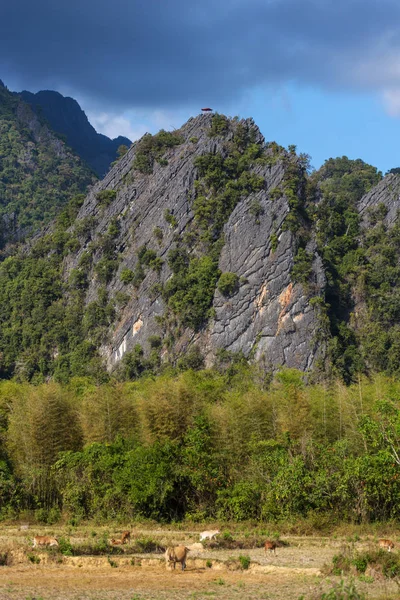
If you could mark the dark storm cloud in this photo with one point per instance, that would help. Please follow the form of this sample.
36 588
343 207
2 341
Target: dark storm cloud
163 52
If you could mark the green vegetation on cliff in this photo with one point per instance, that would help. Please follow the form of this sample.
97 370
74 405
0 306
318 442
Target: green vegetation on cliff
362 269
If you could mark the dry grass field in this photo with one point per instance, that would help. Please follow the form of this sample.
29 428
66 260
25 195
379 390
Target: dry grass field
89 570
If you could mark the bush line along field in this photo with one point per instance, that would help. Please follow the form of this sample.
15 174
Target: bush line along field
201 445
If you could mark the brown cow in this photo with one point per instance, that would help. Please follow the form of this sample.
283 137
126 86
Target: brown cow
386 544
176 554
271 546
44 540
114 542
126 535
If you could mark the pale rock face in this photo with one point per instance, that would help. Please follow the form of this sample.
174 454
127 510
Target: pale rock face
269 318
387 193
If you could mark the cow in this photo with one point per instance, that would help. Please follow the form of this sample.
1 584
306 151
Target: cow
271 546
44 540
209 534
386 544
114 542
126 535
176 554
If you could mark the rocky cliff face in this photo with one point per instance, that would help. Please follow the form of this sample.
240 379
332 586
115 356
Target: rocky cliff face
386 196
265 314
66 117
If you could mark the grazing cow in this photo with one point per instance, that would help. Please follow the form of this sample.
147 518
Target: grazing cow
44 540
386 544
271 546
176 554
116 542
126 535
209 534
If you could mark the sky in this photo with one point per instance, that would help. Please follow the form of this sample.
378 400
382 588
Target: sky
321 74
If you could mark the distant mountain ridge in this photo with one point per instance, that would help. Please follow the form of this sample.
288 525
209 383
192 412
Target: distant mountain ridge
66 117
39 174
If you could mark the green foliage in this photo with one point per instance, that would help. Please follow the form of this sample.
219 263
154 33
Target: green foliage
228 284
204 445
256 210
154 341
224 181
158 234
122 150
356 264
245 561
65 546
219 125
169 217
190 291
302 266
152 147
343 591
38 173
192 359
106 197
127 276
275 193
105 269
274 241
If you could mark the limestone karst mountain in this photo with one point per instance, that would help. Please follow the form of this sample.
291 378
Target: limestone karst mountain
214 203
65 116
207 245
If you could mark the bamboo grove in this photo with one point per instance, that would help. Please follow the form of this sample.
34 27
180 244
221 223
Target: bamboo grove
200 445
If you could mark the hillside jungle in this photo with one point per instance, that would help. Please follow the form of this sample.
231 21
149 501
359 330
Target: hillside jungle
176 441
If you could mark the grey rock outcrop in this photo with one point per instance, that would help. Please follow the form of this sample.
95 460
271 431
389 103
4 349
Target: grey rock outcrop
269 318
387 194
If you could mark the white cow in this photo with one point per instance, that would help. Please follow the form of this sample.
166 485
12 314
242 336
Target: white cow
209 534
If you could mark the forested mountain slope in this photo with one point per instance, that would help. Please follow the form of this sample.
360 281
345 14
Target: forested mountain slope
66 117
38 173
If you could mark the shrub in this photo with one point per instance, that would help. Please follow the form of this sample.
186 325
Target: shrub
169 217
256 209
275 194
105 197
33 558
3 558
65 546
244 561
219 125
121 299
193 359
127 276
158 234
154 341
152 147
343 591
105 269
273 240
302 266
228 284
146 545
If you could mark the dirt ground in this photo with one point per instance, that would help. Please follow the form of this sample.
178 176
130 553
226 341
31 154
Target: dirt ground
297 570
